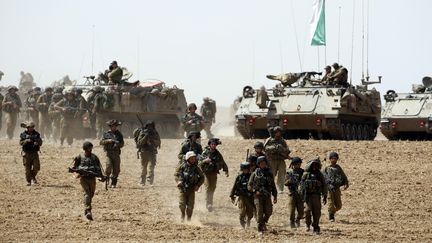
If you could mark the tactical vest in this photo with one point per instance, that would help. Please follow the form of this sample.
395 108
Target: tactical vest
242 185
263 182
214 165
114 136
89 164
334 177
312 183
30 146
189 175
295 177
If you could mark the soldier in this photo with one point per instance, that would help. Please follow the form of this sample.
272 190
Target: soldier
31 103
148 142
192 121
191 144
98 110
1 75
261 184
312 187
339 76
115 73
277 151
88 167
83 107
68 107
112 141
189 178
293 178
211 162
11 106
208 111
55 115
245 197
326 77
30 141
42 106
335 178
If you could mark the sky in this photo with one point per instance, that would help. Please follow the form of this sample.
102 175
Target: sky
214 48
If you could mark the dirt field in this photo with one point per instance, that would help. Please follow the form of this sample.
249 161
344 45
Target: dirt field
388 200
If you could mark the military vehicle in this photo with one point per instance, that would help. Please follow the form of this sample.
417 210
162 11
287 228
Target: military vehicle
305 108
150 100
408 116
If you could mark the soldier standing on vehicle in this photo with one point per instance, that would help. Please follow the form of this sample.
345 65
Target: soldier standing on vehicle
312 187
68 107
208 112
326 77
112 141
115 73
30 141
339 76
192 122
211 162
191 144
335 178
148 142
277 152
31 104
245 197
11 106
189 178
88 167
42 104
261 184
293 178
55 115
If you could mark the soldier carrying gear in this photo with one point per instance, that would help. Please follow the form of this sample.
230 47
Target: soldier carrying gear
190 144
339 76
30 141
312 187
11 106
245 197
112 141
293 178
68 108
335 178
87 166
148 142
42 105
115 73
189 178
54 114
211 162
208 111
191 120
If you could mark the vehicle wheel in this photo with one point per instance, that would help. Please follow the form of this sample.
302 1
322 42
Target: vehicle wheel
360 133
373 133
354 133
348 132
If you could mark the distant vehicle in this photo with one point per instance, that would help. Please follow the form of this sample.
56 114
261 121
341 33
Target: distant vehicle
408 116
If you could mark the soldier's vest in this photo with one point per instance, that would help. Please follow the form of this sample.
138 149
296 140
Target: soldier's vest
14 107
189 175
333 177
214 166
45 99
295 178
312 183
195 147
114 136
71 107
263 181
30 147
89 164
241 185
139 133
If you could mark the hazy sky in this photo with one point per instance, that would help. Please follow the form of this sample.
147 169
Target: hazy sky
211 48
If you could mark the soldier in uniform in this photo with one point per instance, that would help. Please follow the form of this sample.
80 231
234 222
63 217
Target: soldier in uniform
261 184
191 144
68 107
208 111
31 103
211 162
11 106
335 178
55 115
30 141
148 142
326 77
339 76
277 151
245 197
42 105
112 141
192 121
312 187
83 106
98 111
115 73
293 178
88 167
189 178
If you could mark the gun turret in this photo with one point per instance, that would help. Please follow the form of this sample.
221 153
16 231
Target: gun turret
288 79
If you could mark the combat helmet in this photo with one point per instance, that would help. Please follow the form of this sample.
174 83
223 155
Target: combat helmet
333 155
259 144
87 145
244 165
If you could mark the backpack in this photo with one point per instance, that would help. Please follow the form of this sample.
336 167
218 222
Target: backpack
136 134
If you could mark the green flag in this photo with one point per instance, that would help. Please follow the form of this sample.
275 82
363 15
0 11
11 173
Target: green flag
317 24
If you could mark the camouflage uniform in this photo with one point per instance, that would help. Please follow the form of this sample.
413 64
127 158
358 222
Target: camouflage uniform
115 76
112 152
30 143
245 198
261 183
192 122
187 146
31 103
277 151
295 202
211 170
312 187
148 142
190 177
55 115
339 76
99 112
11 106
83 107
69 107
335 178
42 105
208 112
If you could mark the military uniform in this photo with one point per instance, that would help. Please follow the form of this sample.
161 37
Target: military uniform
112 143
335 178
11 106
54 114
313 186
31 104
339 76
115 75
245 198
277 151
69 109
189 178
261 183
83 107
99 112
42 105
295 202
187 146
148 142
211 170
30 142
208 112
192 122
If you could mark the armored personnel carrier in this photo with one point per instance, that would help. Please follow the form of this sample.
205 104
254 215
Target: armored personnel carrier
408 116
304 108
150 100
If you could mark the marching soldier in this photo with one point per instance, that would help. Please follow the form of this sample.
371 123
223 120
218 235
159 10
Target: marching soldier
55 115
192 122
31 103
42 105
208 112
30 141
191 144
148 142
11 106
295 203
112 142
245 197
68 107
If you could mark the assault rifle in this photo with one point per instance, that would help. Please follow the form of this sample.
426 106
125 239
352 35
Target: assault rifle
86 173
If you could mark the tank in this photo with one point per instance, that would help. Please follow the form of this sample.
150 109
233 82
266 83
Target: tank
306 108
142 100
408 116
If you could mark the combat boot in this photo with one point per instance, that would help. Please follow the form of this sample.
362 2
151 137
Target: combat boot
142 182
248 223
297 223
210 208
331 217
88 214
113 182
28 183
317 230
183 215
189 214
243 224
307 228
292 225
